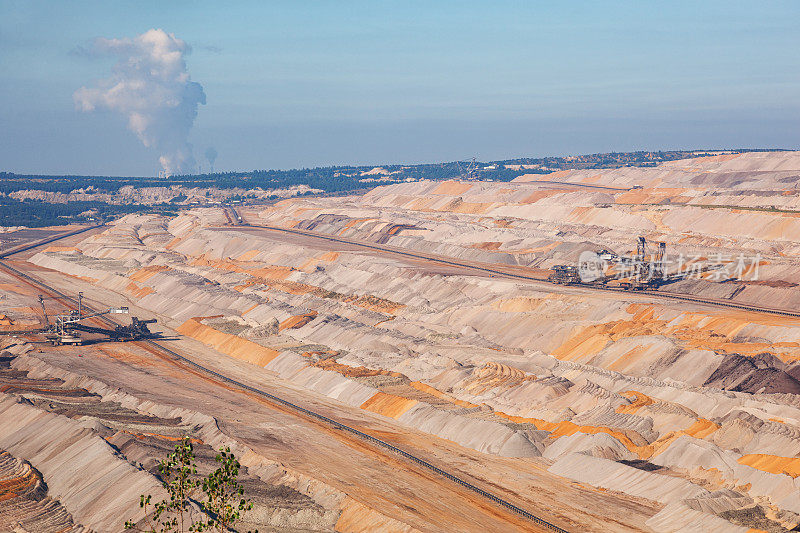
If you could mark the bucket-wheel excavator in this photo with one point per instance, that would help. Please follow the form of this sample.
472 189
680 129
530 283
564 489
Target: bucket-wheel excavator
644 270
65 328
648 269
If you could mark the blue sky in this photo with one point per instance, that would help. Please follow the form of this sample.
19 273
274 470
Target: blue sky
296 84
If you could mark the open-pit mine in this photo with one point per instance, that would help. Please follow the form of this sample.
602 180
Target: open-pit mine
406 359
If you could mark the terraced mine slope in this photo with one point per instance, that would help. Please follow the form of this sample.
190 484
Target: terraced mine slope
599 410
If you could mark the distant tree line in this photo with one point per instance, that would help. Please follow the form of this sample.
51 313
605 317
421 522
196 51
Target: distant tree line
343 178
36 213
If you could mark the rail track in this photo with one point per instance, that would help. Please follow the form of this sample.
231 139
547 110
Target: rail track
514 275
579 185
177 358
48 240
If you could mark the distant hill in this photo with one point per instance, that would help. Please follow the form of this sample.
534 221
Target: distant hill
40 200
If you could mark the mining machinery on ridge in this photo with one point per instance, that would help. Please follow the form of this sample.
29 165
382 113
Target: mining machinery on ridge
641 271
66 328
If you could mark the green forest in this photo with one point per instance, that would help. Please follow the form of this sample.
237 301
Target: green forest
331 180
37 214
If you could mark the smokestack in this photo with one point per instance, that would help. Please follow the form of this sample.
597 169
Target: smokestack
151 87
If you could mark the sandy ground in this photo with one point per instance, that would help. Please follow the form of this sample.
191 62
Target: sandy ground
572 403
373 477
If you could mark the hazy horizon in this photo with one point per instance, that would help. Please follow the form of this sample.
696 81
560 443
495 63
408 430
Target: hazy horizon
380 164
290 85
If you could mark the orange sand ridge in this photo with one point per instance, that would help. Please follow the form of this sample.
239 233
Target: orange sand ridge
145 273
388 404
452 188
228 344
12 487
773 464
630 439
297 321
693 330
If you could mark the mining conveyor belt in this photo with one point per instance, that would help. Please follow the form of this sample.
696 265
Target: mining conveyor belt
176 357
578 185
378 442
48 240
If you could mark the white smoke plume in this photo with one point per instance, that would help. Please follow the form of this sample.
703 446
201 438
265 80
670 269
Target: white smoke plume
151 87
211 156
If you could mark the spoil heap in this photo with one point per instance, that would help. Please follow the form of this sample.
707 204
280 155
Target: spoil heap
692 407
